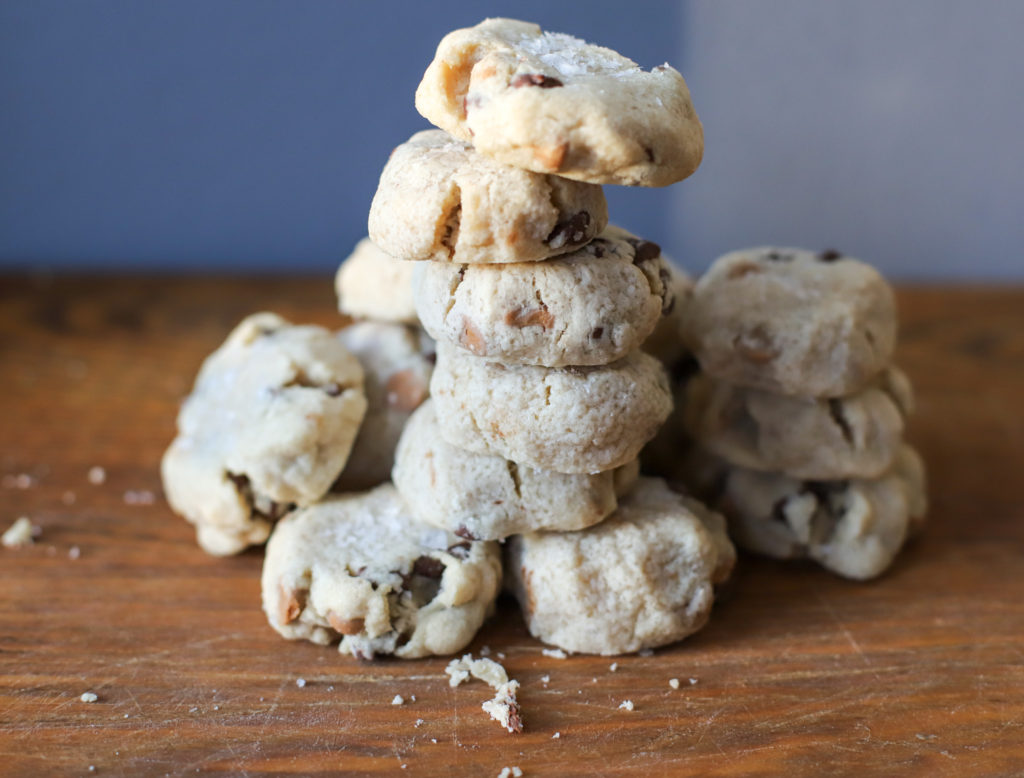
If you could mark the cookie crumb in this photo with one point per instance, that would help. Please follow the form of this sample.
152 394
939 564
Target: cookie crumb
556 736
613 666
92 768
139 497
510 772
645 652
300 682
19 534
693 682
626 705
398 699
413 698
485 651
216 707
88 697
330 688
503 708
74 552
97 475
673 682
418 723
555 653
433 740
545 679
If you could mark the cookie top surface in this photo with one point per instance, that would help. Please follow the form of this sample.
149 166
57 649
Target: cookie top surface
371 284
570 420
852 527
439 199
642 578
487 497
858 435
361 568
552 103
590 307
397 361
792 321
268 425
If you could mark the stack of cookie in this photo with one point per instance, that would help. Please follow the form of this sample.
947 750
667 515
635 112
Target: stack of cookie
798 410
542 399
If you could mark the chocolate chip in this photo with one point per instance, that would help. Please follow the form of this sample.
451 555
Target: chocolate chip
596 333
597 249
431 357
830 255
650 153
778 256
779 510
644 250
459 550
571 231
684 368
535 79
428 567
463 532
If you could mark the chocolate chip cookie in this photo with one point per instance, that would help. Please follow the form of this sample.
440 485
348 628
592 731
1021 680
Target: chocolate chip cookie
590 307
439 199
570 419
486 497
360 568
552 103
642 578
792 321
268 426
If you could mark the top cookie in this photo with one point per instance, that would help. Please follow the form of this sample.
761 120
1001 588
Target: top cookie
371 284
438 199
552 103
792 321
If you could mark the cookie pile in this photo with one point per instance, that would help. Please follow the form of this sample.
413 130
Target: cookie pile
542 398
799 411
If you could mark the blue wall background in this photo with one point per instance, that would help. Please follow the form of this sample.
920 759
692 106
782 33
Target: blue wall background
249 134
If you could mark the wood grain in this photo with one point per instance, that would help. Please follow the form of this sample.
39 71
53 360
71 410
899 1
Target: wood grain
798 672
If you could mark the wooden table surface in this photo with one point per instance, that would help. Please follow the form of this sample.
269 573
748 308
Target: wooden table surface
798 672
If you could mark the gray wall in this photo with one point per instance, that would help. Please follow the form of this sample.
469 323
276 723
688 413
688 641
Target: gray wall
249 134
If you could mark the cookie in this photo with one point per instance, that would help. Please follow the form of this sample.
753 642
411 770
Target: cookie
666 343
570 419
642 578
590 307
397 362
359 567
373 285
852 527
268 426
552 103
479 496
792 322
857 436
440 200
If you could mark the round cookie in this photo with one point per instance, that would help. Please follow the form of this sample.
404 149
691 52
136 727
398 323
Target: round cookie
642 578
792 322
570 420
485 497
359 567
857 436
440 200
397 362
552 103
268 426
590 307
854 528
373 285
666 343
